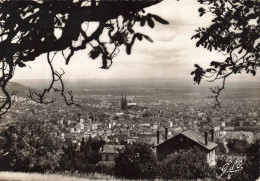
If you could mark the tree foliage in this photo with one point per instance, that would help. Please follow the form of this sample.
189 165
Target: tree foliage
189 164
105 167
235 32
27 30
28 147
136 161
83 160
236 146
249 164
220 149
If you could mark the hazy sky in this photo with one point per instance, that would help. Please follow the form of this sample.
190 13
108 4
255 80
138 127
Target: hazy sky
172 54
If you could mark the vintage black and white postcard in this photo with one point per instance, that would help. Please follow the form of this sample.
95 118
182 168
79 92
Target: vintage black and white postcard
129 90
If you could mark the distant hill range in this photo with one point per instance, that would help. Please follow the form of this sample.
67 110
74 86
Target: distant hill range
21 89
134 83
245 89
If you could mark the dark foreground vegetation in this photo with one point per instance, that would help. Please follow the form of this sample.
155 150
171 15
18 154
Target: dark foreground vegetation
29 147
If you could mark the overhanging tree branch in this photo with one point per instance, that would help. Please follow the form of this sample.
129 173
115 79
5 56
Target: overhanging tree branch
27 30
234 33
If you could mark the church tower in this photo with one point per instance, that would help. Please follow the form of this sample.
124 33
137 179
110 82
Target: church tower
124 102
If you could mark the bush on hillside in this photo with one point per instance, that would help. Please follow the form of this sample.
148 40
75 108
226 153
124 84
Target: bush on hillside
136 161
106 167
189 164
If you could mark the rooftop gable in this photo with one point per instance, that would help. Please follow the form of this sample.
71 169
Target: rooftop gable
199 138
194 136
107 148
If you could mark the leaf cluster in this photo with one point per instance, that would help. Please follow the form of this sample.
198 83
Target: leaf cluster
234 32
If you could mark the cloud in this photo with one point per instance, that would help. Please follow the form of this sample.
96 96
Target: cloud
173 53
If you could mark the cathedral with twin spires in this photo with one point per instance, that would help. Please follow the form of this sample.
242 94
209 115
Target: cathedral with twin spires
124 102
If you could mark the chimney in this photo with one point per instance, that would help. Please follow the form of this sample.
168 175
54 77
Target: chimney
166 133
206 138
158 137
212 135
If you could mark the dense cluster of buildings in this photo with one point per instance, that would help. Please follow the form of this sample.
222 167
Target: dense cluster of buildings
123 120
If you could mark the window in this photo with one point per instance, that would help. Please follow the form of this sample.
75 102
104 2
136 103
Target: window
106 157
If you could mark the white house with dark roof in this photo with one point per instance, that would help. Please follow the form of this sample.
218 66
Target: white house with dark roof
109 152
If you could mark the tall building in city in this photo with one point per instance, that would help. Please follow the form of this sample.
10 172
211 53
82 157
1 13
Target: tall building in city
124 102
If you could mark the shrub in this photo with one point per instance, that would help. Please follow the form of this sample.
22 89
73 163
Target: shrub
136 161
28 147
190 164
106 167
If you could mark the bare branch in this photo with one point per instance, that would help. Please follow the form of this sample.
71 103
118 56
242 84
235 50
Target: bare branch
41 96
56 77
216 91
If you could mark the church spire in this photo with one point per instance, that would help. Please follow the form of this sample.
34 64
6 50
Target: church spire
124 102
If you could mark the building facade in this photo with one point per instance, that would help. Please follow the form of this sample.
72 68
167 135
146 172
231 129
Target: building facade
109 152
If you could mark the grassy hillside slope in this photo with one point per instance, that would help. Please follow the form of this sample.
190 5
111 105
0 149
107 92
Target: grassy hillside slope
18 176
